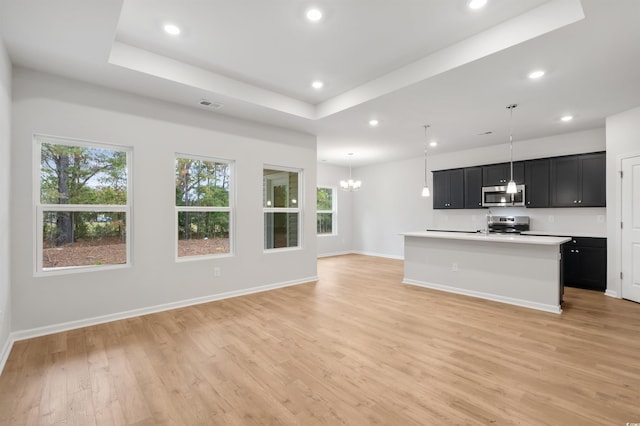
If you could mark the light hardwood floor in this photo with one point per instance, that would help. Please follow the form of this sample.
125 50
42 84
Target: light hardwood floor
355 348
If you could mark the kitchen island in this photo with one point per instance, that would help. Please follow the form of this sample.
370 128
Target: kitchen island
522 270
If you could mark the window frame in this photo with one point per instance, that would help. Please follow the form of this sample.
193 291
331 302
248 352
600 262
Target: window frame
298 210
333 211
206 209
41 208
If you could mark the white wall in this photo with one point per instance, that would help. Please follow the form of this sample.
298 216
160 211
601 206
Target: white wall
5 177
623 139
341 242
390 201
156 130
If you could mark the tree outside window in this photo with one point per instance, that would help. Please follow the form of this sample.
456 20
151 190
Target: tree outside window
203 206
325 210
83 205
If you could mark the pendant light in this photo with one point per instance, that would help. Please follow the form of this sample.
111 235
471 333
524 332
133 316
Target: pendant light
425 189
511 186
350 185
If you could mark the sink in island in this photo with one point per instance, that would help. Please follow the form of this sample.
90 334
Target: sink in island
522 270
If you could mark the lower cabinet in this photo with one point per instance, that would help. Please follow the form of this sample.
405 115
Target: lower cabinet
584 263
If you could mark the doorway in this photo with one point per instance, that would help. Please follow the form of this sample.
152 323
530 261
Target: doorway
630 231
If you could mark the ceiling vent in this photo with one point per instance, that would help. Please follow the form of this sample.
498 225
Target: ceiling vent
207 103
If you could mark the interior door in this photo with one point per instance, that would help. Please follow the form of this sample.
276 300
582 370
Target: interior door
631 228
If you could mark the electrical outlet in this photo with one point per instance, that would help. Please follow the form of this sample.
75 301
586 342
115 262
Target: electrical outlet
217 271
454 267
552 218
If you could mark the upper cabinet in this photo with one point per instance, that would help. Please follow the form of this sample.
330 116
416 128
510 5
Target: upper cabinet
536 176
578 181
500 174
568 181
448 189
473 188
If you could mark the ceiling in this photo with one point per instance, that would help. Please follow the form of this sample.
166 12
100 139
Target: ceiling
405 63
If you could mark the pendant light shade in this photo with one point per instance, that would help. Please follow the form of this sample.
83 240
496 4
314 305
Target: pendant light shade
425 189
351 184
511 186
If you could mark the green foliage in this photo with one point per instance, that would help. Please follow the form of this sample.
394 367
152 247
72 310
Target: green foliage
324 223
82 175
199 225
202 183
324 199
86 226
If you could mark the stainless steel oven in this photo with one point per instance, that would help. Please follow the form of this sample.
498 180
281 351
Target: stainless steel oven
496 196
507 224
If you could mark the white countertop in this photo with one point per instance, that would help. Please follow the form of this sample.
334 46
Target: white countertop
494 238
558 234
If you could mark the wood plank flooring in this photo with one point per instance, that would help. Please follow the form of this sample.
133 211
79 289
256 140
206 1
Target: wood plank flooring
355 348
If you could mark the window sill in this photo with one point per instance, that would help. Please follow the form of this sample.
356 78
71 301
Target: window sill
67 270
186 259
281 250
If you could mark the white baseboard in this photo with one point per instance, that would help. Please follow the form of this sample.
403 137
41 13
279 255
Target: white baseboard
556 309
6 350
612 293
387 256
339 253
72 325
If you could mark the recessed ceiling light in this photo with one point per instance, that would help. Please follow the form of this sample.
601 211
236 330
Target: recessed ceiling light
477 4
433 144
317 84
536 74
373 122
567 118
172 29
314 15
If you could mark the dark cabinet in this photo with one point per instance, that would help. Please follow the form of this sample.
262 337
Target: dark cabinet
593 179
568 181
500 174
473 187
448 189
536 177
578 181
584 263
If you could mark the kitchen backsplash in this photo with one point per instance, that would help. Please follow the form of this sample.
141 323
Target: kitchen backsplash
576 222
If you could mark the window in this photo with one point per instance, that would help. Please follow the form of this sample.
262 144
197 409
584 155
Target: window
83 205
281 204
326 209
204 206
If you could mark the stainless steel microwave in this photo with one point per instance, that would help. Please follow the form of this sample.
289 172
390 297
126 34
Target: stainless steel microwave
496 196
